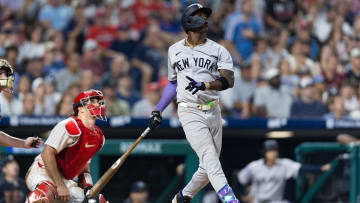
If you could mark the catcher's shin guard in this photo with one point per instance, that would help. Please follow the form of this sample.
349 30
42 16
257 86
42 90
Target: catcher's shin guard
180 198
45 192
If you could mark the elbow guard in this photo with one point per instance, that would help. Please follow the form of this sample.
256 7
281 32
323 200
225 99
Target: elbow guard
224 83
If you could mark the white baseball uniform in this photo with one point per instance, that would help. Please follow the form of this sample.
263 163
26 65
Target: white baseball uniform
268 183
203 127
58 139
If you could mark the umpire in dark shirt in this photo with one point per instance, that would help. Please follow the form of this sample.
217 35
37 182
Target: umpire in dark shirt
13 188
306 106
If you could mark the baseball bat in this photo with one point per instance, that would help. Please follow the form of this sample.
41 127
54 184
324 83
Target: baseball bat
99 185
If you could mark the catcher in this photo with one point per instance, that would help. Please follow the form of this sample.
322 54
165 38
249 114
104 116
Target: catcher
67 154
6 85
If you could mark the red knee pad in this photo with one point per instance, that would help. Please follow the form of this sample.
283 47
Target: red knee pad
45 191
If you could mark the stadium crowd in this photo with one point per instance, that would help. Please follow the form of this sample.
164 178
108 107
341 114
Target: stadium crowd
293 58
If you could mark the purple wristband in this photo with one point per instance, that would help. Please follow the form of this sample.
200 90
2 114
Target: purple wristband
168 95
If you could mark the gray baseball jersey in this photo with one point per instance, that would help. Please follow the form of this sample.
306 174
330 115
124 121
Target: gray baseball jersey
202 63
203 128
268 183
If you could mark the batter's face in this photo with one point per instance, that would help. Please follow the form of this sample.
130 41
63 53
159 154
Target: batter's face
271 155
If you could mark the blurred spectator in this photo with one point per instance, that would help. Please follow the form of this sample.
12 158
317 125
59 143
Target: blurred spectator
278 47
123 43
13 189
246 31
55 14
75 29
64 107
144 107
91 60
55 48
169 22
9 105
351 103
119 65
306 106
331 70
34 68
38 90
337 108
138 193
33 47
299 62
65 77
353 73
28 105
101 31
272 100
142 10
219 18
23 87
148 57
280 13
239 97
9 34
74 89
288 78
114 107
12 53
87 80
51 97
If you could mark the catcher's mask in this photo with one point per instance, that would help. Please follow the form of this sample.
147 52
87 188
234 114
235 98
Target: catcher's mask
7 82
84 99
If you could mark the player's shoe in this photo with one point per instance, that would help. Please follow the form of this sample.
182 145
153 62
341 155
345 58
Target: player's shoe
180 198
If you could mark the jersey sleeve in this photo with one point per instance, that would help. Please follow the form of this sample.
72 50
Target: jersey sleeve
172 75
59 137
292 168
225 60
245 175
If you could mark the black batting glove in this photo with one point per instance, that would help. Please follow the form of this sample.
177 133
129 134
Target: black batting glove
194 86
155 120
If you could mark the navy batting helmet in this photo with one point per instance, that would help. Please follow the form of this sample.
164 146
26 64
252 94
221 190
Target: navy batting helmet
190 22
270 145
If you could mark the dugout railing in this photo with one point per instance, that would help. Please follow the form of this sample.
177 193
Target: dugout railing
341 182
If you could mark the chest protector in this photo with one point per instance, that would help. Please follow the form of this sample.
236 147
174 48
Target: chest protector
73 158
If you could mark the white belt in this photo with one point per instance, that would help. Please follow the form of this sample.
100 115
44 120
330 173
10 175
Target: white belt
203 107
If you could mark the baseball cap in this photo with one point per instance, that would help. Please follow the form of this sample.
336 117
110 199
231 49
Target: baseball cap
90 44
271 145
355 52
139 186
8 159
306 82
36 83
271 73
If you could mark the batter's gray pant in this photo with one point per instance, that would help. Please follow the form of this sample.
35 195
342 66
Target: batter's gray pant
203 130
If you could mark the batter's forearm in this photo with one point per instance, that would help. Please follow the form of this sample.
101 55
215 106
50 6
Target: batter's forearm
10 141
225 81
48 157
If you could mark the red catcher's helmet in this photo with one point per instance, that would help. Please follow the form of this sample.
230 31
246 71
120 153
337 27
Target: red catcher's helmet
83 99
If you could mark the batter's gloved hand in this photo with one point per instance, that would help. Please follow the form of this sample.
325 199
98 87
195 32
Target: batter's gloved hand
97 199
155 120
193 85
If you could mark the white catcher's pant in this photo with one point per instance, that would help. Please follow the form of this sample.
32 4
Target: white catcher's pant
36 175
203 130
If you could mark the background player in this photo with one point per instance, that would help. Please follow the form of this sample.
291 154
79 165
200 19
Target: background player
67 152
269 175
6 85
197 68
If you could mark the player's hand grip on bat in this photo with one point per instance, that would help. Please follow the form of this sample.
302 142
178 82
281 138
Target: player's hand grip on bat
33 142
194 86
97 199
155 120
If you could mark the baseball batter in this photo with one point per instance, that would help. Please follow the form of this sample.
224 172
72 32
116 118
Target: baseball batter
197 69
67 153
268 176
7 78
